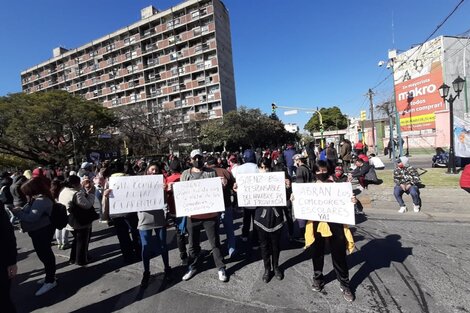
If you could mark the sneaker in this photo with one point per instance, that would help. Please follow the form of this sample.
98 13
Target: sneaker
189 274
317 285
403 209
41 281
184 261
222 275
231 253
145 280
347 294
45 288
416 208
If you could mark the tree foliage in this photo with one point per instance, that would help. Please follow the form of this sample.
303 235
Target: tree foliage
246 128
332 118
48 127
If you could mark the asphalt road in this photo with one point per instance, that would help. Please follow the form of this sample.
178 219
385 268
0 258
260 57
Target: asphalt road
401 265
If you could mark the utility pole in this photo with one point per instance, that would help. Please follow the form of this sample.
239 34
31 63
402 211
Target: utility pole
370 94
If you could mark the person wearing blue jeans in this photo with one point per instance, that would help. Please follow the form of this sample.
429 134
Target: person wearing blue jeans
152 246
406 180
227 216
149 221
227 220
413 191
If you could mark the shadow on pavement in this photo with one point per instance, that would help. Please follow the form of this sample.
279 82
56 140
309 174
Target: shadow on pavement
377 254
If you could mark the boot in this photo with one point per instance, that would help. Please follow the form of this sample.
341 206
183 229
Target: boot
145 280
267 271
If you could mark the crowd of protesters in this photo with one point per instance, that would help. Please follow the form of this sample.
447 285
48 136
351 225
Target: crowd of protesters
29 196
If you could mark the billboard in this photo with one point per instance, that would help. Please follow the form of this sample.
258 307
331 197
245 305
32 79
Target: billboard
417 78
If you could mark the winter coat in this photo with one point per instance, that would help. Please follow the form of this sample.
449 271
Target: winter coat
345 152
19 199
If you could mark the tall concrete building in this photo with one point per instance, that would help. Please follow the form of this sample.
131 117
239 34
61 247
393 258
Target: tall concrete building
176 65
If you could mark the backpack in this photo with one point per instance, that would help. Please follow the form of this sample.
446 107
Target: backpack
58 217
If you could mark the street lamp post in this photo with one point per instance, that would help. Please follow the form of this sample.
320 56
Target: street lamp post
457 85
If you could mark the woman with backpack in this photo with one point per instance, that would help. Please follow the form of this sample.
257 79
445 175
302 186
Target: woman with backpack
34 219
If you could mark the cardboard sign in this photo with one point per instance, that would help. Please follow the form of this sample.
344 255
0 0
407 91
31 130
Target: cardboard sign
261 189
136 193
326 202
198 196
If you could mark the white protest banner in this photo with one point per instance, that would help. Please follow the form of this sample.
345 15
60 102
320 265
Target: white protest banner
136 193
198 196
326 202
261 189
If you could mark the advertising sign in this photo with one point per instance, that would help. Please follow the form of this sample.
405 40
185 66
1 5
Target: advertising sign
417 78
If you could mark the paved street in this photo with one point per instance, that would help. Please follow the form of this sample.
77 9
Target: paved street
415 262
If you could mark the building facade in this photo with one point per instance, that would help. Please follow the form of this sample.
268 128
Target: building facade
175 65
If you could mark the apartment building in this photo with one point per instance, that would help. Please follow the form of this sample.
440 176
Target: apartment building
176 64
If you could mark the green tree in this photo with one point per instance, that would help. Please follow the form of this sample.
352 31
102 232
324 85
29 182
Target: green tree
332 118
49 127
247 128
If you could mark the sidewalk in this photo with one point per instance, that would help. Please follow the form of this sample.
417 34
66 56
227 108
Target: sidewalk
437 203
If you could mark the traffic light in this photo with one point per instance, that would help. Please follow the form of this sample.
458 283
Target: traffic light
274 107
363 115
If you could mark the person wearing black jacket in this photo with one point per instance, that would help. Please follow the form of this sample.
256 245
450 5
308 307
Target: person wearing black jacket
8 266
362 168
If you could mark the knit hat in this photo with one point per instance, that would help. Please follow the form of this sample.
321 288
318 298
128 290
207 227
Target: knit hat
297 156
37 172
403 160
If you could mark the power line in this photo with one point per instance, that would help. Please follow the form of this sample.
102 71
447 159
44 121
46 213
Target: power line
420 45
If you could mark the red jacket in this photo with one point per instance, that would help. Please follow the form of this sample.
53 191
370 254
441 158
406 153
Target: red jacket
465 177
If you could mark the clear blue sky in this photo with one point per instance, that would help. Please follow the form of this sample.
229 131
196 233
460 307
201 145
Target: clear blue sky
304 53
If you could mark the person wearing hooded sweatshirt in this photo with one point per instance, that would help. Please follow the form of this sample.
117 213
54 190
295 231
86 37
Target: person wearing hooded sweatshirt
150 221
339 237
210 222
34 219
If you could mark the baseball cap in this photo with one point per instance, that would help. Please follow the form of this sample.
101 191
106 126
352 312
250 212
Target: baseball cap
297 156
195 152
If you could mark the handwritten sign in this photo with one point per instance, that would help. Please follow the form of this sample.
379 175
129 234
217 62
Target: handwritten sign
136 193
261 189
324 202
198 196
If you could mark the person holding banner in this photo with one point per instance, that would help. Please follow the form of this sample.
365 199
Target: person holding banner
208 221
340 240
150 221
125 224
269 222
